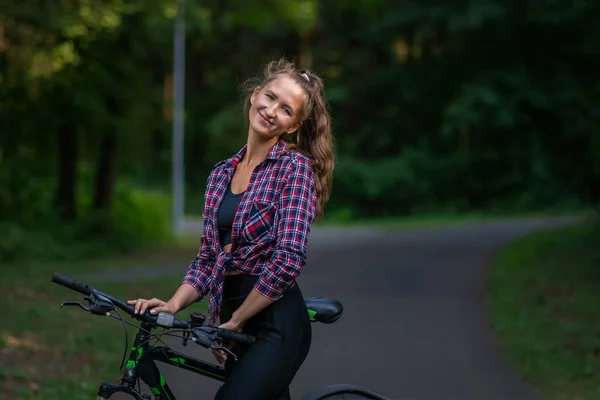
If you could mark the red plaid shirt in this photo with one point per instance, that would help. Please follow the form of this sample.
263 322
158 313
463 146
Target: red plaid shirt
270 229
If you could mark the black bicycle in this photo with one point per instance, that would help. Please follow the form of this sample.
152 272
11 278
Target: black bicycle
141 365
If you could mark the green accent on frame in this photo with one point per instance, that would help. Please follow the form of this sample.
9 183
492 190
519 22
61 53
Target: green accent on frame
181 361
140 351
132 363
312 313
163 383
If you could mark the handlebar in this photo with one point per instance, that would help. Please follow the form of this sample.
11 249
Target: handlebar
71 284
101 303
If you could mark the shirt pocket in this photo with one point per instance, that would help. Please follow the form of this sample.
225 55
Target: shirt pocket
260 222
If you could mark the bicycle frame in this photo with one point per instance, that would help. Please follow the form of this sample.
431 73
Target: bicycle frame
142 365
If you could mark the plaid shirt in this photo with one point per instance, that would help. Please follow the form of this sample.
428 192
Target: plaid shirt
270 229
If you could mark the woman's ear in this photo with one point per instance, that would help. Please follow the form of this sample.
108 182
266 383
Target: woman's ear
254 94
294 127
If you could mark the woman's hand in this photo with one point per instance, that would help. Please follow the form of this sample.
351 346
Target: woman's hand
183 297
232 325
155 305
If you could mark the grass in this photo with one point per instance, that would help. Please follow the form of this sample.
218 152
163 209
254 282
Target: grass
51 353
545 306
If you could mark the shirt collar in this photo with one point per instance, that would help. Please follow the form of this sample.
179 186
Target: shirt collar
276 151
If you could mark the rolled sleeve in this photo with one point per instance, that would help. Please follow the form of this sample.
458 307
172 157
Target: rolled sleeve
297 207
199 272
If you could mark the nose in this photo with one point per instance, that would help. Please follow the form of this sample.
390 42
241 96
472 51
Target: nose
270 111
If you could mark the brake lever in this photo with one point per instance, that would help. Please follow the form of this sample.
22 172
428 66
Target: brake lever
225 349
75 303
97 305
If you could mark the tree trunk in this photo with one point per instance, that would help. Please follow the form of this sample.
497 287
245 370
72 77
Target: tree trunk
106 172
106 169
67 172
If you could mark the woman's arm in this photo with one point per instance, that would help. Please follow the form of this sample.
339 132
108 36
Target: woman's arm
254 303
183 297
198 273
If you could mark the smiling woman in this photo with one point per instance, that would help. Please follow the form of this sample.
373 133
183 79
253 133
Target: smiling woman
259 208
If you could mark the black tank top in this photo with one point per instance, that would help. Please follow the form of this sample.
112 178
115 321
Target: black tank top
226 214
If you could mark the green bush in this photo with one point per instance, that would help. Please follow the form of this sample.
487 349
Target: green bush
138 219
417 182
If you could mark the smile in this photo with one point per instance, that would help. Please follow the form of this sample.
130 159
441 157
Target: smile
265 119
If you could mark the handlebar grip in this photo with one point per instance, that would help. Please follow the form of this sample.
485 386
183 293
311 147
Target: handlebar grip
180 324
235 336
71 284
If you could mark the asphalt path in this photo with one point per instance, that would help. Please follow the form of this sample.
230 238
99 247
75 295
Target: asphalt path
415 323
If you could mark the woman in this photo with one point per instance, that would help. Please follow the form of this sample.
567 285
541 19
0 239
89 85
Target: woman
258 212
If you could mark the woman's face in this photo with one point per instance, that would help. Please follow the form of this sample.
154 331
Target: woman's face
276 107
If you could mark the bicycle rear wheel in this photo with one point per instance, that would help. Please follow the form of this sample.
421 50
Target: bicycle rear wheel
346 396
343 392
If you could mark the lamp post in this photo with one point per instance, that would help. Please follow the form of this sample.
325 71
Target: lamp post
178 118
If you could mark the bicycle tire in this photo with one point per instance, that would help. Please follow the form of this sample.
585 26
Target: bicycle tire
343 392
346 396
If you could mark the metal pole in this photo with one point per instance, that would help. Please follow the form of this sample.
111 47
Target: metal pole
178 118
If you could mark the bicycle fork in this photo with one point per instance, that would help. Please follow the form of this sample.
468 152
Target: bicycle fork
130 375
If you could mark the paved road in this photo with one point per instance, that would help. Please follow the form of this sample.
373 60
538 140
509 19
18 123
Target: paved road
415 324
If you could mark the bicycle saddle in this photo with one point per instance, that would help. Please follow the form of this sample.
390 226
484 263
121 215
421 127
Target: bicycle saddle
323 309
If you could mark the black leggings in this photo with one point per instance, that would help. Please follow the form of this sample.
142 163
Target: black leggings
265 369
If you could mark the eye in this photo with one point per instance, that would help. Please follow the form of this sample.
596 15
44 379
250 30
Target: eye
270 96
287 111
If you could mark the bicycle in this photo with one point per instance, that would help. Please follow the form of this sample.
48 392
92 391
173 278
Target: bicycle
140 365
